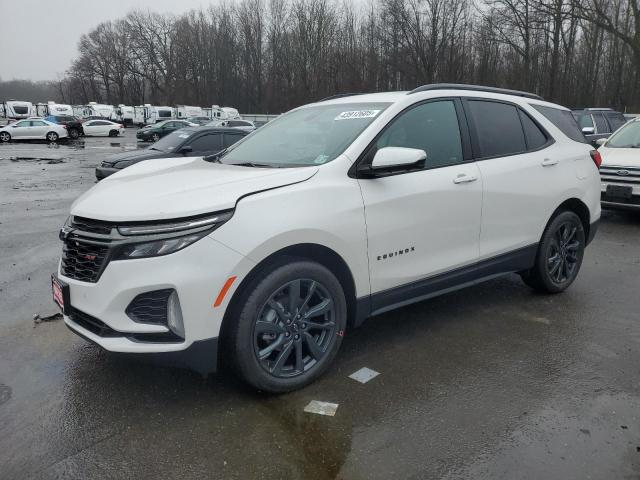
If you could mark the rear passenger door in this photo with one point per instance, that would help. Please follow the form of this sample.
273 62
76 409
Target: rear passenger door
520 174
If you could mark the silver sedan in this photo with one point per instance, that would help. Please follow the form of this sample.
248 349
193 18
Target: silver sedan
33 129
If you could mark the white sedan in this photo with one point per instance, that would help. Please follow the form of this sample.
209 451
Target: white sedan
33 129
102 128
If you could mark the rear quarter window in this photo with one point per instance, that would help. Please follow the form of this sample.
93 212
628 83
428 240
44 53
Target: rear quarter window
563 120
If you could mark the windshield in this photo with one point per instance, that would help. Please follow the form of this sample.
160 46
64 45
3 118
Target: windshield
627 137
309 136
171 141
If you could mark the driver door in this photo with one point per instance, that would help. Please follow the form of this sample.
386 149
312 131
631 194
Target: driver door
423 222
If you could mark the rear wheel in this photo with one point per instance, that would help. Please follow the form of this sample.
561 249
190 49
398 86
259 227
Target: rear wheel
5 137
52 136
289 328
559 254
74 133
113 133
155 137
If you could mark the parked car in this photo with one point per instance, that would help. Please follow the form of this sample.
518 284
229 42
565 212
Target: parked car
33 129
199 120
186 142
73 124
103 128
336 211
245 125
597 123
153 133
620 170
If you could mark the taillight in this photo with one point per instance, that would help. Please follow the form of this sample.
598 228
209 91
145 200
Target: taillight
596 157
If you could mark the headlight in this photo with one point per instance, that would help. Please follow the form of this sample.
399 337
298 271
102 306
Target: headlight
157 239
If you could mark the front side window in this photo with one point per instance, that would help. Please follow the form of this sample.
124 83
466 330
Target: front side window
171 142
626 137
498 128
37 123
22 124
432 127
308 136
231 138
211 142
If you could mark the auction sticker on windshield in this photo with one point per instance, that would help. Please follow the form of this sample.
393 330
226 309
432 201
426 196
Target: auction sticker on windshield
356 114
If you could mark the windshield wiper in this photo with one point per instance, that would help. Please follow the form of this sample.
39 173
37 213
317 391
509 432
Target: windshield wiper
255 165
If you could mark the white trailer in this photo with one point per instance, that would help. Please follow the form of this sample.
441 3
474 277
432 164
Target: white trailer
186 111
149 114
17 109
53 108
221 113
123 114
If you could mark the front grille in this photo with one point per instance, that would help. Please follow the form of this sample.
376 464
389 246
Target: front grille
83 260
92 324
622 175
150 307
91 226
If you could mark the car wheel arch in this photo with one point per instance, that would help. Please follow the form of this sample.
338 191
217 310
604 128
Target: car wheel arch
304 251
578 207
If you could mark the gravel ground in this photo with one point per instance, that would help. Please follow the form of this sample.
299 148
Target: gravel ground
490 382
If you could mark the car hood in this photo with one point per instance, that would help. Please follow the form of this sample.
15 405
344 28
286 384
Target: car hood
620 157
179 187
139 155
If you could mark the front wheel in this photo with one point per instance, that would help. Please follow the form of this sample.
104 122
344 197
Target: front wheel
290 326
5 137
155 137
74 134
113 133
52 136
559 255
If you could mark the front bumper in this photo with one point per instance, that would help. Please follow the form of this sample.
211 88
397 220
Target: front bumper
196 273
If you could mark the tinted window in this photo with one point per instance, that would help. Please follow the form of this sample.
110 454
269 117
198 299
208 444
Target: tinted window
601 124
172 141
164 113
616 120
231 138
498 128
535 137
584 120
37 123
432 127
563 120
20 110
211 142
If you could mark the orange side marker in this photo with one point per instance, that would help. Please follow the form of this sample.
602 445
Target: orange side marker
223 292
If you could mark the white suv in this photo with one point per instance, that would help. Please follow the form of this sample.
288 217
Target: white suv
267 254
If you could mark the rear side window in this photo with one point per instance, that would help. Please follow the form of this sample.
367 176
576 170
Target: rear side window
534 136
563 120
601 124
498 128
211 142
616 120
231 138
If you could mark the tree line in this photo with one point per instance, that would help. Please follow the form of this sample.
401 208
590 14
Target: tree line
267 56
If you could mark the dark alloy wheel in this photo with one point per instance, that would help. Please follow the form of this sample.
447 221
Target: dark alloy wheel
286 326
5 137
155 137
559 255
294 328
74 133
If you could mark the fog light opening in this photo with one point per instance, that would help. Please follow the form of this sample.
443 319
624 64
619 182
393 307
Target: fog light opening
174 315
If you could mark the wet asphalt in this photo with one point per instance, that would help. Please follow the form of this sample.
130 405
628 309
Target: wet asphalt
491 382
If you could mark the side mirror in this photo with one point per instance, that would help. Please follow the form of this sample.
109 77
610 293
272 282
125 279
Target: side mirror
601 141
186 149
397 157
588 130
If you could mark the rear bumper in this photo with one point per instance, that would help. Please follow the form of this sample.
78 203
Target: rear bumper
103 172
201 356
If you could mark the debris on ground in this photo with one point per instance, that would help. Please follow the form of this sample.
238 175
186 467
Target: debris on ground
364 375
321 408
48 318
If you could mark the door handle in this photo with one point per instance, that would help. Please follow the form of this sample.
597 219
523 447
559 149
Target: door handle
548 162
464 178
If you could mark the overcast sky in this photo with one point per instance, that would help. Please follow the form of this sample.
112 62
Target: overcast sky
41 36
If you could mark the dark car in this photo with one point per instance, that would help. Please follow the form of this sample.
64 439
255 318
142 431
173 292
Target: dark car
73 124
187 142
199 120
597 123
153 133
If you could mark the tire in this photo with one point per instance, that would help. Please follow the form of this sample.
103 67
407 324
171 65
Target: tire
5 137
52 137
155 137
74 134
274 350
113 133
559 256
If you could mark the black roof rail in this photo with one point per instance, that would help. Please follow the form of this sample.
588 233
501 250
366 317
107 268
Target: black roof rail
340 95
478 88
